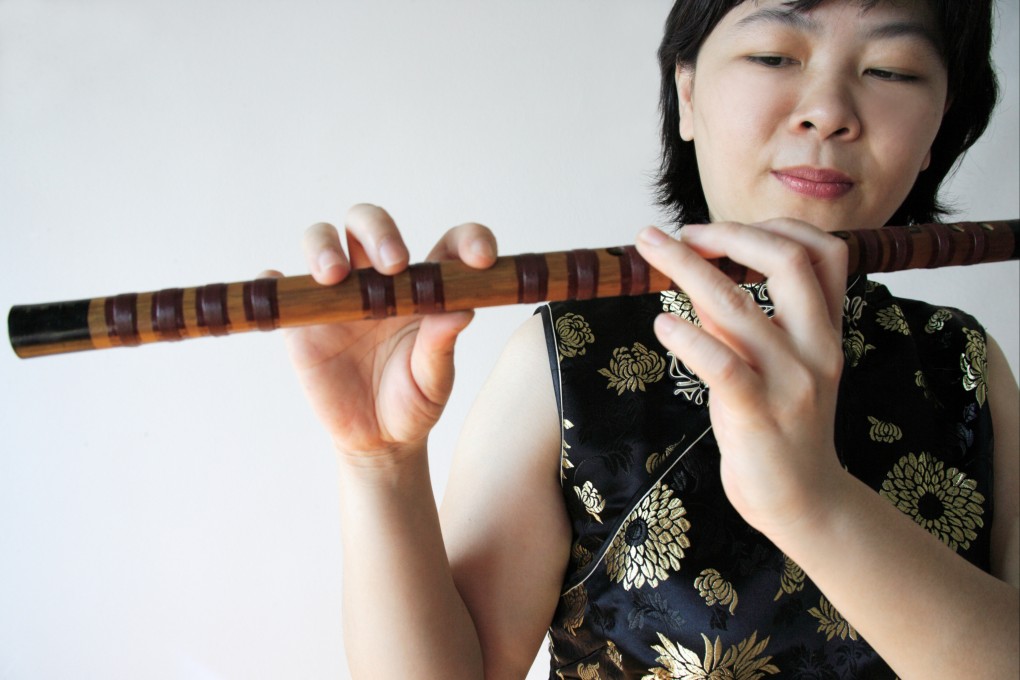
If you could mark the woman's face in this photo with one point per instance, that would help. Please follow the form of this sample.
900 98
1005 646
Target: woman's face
826 116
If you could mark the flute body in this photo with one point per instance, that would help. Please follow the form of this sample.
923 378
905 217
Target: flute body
172 314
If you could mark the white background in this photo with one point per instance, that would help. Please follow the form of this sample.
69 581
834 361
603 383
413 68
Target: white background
171 511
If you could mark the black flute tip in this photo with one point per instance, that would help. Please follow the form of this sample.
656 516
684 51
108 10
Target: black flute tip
41 329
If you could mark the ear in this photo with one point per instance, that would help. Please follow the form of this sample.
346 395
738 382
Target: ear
927 157
685 100
926 162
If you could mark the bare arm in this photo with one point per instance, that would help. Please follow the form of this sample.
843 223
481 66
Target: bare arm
1004 402
506 526
378 388
482 612
927 611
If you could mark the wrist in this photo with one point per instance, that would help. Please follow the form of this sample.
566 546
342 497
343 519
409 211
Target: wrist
389 465
824 521
818 513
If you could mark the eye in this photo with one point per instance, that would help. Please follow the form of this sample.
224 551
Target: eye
770 60
891 76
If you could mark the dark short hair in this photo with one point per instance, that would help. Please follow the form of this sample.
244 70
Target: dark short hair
965 32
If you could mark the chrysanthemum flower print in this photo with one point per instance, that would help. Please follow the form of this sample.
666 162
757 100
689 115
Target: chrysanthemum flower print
792 580
941 500
650 543
593 501
743 661
974 363
714 588
831 622
574 335
575 601
891 318
633 368
937 320
677 303
883 432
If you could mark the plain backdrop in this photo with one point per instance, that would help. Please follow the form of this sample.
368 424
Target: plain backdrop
170 512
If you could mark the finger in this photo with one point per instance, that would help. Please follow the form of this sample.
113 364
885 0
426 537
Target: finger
726 310
269 274
830 260
374 240
730 379
792 268
432 357
325 256
472 243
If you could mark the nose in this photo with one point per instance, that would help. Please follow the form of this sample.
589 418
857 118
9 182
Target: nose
827 108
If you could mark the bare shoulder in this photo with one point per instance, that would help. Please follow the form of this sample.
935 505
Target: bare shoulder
1004 402
503 516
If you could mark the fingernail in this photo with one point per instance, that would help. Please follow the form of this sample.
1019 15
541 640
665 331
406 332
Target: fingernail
329 259
483 249
665 323
653 236
390 253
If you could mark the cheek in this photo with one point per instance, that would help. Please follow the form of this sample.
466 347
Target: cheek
909 126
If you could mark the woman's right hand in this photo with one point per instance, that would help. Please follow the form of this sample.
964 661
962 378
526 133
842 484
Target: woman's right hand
380 386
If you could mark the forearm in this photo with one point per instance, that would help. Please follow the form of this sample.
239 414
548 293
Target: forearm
927 611
401 609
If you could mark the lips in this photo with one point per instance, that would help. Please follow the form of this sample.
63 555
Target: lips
815 182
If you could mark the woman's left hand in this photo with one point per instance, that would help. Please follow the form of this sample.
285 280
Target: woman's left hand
773 382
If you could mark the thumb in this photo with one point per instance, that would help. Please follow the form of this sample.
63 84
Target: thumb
432 356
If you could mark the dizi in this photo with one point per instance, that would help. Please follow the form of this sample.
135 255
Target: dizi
265 304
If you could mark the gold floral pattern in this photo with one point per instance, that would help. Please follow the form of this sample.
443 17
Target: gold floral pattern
883 432
831 622
687 383
593 501
574 335
588 671
937 320
651 541
565 463
581 555
613 439
679 304
941 500
854 346
921 381
792 580
974 362
714 588
676 302
742 661
891 318
853 307
633 368
654 460
614 654
575 602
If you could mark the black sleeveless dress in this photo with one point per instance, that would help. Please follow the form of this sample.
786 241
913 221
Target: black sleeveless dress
666 580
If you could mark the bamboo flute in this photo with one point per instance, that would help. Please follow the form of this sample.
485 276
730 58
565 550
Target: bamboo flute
133 319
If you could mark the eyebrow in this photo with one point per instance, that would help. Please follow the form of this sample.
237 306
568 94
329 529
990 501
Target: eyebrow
797 19
906 29
772 15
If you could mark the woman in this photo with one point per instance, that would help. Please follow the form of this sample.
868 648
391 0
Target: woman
787 120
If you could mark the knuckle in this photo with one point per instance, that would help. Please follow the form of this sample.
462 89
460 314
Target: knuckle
831 366
805 386
730 298
795 256
727 368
